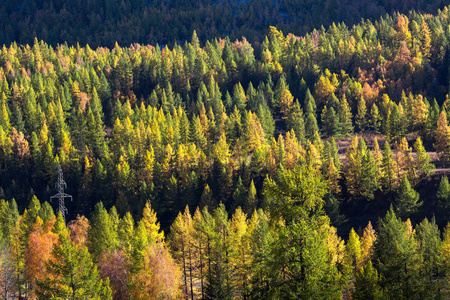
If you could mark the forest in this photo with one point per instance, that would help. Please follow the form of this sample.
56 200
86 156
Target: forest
305 166
102 23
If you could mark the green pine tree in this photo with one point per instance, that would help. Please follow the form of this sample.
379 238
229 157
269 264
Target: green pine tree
71 274
407 199
360 118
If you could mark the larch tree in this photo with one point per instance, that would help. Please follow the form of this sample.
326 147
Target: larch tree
353 255
389 166
367 243
361 116
345 117
442 137
422 163
375 118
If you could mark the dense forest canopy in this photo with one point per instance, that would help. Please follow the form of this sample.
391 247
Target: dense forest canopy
202 124
243 163
102 23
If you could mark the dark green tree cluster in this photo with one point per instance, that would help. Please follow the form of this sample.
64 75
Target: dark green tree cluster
102 23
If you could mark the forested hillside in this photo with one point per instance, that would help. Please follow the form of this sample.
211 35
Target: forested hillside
102 23
254 156
204 124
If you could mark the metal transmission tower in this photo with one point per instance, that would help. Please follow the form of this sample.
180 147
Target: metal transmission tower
60 186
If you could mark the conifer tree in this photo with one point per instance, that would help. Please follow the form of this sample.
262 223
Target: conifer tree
286 103
345 117
252 200
72 274
422 166
102 233
430 243
389 166
296 121
443 193
375 118
407 199
367 284
353 252
367 244
369 174
360 118
311 127
152 227
397 258
442 137
330 121
296 197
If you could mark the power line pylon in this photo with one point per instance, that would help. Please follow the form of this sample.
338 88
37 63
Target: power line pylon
60 185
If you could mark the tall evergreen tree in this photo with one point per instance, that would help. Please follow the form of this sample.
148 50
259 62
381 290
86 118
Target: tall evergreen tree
71 274
361 118
407 199
397 259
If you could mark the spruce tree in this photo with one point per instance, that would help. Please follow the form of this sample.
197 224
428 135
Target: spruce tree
71 274
397 260
407 199
369 172
296 121
375 119
102 233
330 121
353 252
442 137
429 247
360 118
389 167
422 163
345 117
311 123
367 284
443 193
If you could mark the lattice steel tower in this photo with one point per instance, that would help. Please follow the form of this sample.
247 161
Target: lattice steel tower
60 185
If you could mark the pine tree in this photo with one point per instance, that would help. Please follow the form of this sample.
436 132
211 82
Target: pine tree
443 193
367 284
367 244
423 166
71 274
369 174
345 117
442 137
430 243
397 258
407 199
252 200
375 118
360 118
296 121
311 127
296 197
102 233
389 166
330 121
353 252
